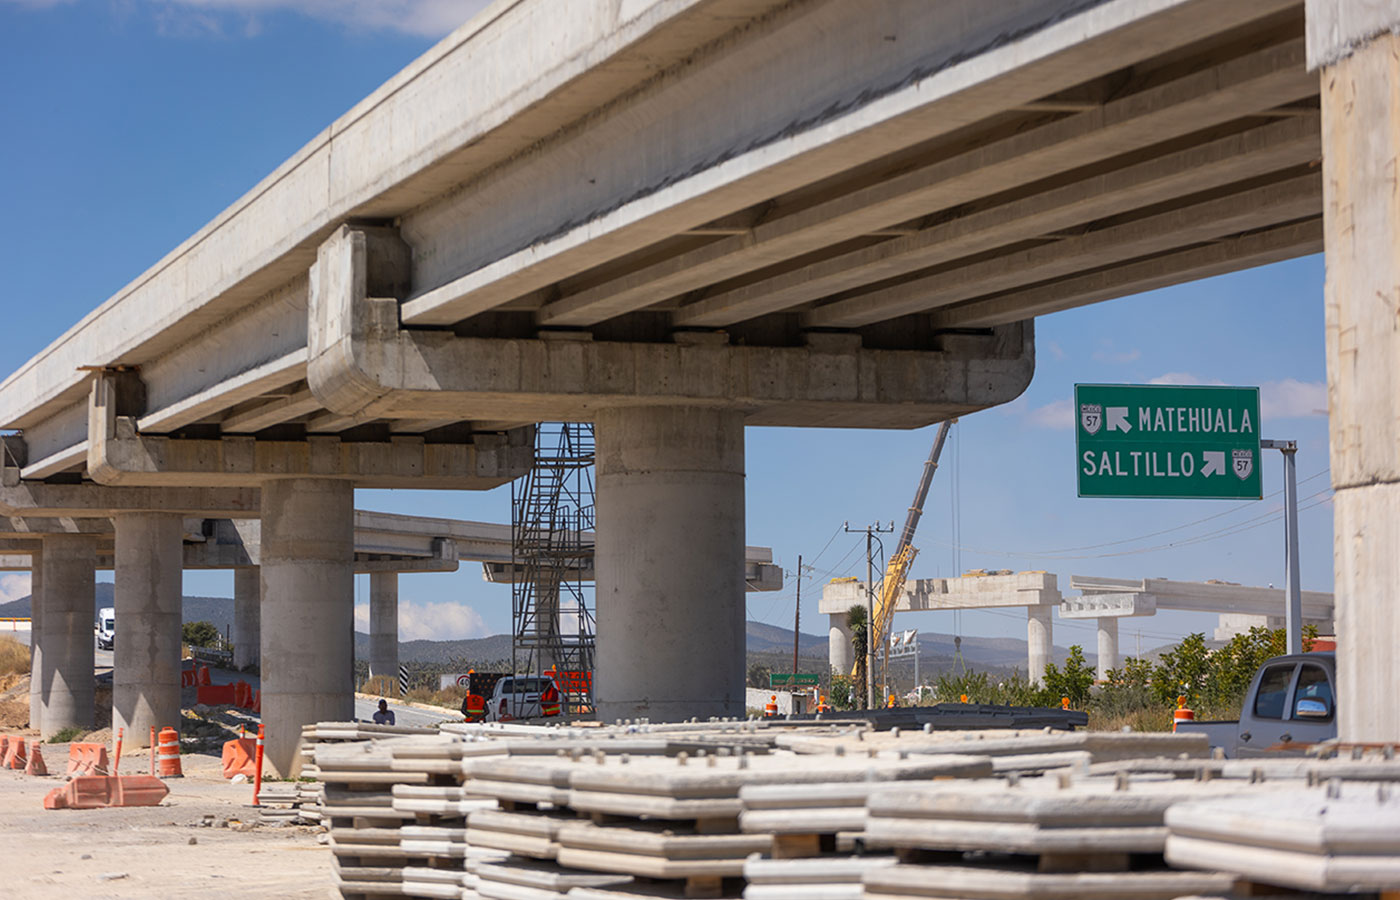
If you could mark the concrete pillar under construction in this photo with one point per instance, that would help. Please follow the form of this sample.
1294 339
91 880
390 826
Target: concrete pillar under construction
69 585
1039 643
36 643
839 652
384 624
308 612
247 617
1108 646
670 563
1356 46
146 652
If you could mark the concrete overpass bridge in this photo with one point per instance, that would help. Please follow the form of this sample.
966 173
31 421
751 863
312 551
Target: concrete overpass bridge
679 218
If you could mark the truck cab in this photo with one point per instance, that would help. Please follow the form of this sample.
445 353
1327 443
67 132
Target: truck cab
1291 705
106 628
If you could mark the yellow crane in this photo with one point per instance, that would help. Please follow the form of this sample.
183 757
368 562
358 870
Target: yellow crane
897 571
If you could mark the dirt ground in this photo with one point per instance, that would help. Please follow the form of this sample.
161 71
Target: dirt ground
154 851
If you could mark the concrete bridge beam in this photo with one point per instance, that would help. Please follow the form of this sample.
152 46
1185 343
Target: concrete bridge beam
670 562
69 570
308 617
149 595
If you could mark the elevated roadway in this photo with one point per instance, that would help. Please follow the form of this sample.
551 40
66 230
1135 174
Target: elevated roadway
679 218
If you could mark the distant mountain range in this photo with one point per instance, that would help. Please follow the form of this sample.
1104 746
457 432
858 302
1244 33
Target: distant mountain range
767 644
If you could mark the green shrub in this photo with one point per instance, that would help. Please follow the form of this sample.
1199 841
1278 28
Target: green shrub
199 634
64 735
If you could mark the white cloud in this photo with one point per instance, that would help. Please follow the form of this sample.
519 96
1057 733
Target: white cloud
431 620
429 18
14 587
1058 414
37 4
1183 378
1108 353
1292 399
1056 351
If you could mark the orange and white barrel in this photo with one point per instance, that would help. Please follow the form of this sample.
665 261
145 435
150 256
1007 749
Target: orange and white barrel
168 754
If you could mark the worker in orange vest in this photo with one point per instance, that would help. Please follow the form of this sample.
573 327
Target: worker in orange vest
822 705
549 700
474 705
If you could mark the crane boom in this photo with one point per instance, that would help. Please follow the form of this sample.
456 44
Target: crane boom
903 557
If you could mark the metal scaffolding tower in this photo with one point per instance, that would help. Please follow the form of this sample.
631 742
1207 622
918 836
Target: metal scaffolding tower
552 596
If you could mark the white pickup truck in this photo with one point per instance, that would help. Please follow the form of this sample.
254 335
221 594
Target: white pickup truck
518 697
1290 706
106 628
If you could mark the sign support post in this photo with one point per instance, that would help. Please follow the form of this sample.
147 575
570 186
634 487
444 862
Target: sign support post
1293 618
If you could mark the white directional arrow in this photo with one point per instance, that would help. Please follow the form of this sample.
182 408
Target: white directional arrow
1117 419
1214 463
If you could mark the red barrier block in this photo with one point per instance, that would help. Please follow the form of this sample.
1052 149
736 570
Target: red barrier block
86 758
99 791
36 762
14 757
215 694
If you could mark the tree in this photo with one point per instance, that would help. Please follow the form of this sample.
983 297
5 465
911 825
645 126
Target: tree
199 634
857 622
1074 681
758 676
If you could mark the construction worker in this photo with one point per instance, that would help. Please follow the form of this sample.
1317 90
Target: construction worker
384 715
474 705
822 706
549 700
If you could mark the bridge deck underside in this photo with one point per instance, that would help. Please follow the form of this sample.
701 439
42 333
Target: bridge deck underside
1170 146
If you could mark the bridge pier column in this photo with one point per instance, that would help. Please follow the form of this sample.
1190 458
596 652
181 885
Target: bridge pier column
839 652
384 624
1354 43
1108 646
1039 643
670 563
146 652
36 641
247 617
308 609
69 583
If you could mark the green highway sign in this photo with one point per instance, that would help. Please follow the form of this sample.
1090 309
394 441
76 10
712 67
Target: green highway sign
1139 440
787 679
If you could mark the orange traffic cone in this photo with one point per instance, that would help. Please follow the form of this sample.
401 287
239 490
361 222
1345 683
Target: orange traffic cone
36 765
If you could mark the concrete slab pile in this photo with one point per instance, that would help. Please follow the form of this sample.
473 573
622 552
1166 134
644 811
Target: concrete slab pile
544 813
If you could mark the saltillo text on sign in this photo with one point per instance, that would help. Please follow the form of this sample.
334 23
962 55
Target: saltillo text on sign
1169 441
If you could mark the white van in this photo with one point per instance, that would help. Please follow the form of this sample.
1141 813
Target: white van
106 627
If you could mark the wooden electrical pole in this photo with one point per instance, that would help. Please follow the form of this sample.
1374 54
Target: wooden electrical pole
797 620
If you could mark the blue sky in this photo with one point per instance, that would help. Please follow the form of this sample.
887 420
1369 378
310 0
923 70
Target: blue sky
131 123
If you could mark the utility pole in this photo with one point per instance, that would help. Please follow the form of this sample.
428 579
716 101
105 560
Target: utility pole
796 622
870 532
1293 592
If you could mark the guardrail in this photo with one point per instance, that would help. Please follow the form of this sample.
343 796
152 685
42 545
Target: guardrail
16 623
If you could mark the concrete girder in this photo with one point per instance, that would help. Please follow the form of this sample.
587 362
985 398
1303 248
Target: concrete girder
266 414
1269 245
951 67
118 454
758 577
1214 164
1189 104
1118 604
97 501
1219 217
1199 596
967 592
364 364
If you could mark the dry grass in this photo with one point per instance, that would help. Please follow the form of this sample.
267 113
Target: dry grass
1150 719
14 657
384 685
447 698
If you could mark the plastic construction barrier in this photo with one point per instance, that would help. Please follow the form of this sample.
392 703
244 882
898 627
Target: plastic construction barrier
85 758
240 757
215 694
36 766
99 791
14 756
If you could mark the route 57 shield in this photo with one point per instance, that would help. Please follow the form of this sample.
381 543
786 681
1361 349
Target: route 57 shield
1243 461
1091 417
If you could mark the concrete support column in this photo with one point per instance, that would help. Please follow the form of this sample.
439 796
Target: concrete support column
308 611
839 652
69 583
247 617
1039 643
670 563
384 624
36 642
146 652
1108 646
1354 43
